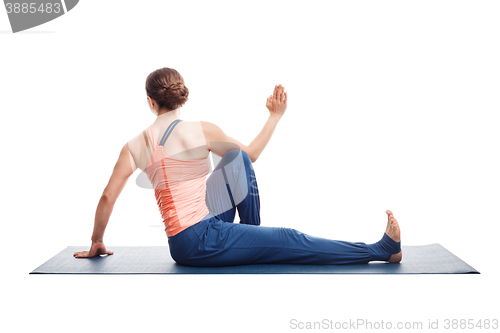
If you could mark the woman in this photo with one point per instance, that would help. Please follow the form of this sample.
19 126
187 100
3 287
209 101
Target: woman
198 213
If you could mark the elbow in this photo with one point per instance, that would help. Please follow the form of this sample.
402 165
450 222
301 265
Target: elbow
107 197
251 156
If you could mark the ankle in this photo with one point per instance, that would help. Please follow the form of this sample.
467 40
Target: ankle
384 248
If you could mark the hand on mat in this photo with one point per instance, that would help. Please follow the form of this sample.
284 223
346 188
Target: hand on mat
97 248
276 103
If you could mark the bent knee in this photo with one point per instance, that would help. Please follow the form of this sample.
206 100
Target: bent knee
245 156
233 154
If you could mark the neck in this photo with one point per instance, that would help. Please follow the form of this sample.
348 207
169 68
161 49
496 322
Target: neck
169 116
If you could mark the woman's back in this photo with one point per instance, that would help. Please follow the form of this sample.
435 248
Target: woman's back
177 165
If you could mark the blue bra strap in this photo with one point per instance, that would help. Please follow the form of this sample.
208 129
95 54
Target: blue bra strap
168 131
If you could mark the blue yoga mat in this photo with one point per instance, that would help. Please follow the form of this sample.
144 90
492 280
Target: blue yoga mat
422 259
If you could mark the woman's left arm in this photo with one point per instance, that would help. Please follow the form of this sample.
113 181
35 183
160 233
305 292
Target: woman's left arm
123 169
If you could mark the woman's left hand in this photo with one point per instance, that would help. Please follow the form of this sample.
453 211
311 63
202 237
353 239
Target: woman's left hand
97 248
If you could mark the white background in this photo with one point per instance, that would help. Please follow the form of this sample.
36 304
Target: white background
392 105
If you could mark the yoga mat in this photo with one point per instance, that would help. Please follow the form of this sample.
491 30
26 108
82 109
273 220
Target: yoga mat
421 259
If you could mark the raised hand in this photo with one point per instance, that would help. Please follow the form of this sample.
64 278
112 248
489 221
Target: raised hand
277 102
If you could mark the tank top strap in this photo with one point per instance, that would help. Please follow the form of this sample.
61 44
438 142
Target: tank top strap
168 131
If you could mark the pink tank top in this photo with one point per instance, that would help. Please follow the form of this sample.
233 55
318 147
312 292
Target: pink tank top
179 186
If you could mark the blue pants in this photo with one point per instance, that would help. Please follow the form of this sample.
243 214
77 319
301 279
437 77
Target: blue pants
217 241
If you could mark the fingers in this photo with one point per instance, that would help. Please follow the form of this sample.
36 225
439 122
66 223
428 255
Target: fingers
81 254
86 254
279 94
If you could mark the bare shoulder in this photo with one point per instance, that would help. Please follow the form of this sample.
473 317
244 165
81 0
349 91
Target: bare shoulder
139 140
208 126
137 137
140 149
211 131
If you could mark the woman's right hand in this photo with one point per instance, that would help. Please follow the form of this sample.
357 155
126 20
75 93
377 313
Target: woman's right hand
276 103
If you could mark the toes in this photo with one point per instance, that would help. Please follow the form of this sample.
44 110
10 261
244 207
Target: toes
389 216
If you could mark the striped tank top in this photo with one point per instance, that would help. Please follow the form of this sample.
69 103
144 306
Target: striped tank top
179 185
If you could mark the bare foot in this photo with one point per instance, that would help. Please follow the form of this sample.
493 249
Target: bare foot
392 230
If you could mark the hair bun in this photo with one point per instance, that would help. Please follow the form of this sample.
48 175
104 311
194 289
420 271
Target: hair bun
175 90
174 86
166 87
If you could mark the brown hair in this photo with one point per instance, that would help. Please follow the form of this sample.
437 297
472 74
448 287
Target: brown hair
166 87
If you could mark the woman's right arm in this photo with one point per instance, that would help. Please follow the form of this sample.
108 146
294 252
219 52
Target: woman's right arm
219 143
